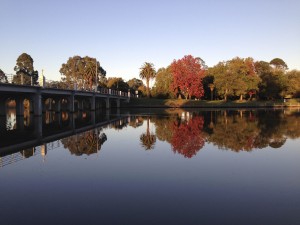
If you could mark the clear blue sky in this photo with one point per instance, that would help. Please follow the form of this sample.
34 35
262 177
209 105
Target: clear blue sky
122 35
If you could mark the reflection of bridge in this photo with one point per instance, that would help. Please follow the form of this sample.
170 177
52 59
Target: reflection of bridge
39 141
58 99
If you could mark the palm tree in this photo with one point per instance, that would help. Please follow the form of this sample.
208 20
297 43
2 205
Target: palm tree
147 72
148 139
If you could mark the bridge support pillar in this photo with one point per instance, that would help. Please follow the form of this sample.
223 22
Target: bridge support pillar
107 103
2 107
20 106
118 103
38 127
93 117
57 105
71 103
37 108
93 103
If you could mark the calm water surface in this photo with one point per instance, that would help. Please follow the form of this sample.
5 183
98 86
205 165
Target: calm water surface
151 167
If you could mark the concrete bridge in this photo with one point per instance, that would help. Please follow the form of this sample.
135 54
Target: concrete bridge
39 137
41 99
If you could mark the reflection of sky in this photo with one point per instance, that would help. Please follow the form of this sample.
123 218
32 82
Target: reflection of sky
124 184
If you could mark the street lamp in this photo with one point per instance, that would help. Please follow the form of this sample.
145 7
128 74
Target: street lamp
96 76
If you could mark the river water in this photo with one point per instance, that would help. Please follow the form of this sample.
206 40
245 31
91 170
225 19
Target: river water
151 167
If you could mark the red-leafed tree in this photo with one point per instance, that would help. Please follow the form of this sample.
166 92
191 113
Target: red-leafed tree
187 77
188 138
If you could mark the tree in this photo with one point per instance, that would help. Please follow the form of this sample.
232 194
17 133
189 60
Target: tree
147 72
207 80
211 87
117 83
293 84
25 71
148 139
187 77
163 81
273 82
134 84
82 71
278 64
223 80
3 77
236 77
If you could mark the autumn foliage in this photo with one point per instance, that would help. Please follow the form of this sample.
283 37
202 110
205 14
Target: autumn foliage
188 138
187 77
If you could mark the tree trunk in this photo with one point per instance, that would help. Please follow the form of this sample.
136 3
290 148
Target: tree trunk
148 90
241 97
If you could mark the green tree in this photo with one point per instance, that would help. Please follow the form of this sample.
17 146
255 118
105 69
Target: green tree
147 72
163 81
135 83
207 81
279 64
82 71
273 82
224 81
117 83
25 70
293 83
236 77
3 78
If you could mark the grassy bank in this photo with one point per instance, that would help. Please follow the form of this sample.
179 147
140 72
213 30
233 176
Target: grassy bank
182 103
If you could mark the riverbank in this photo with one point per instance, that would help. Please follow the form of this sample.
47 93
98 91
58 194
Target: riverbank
182 103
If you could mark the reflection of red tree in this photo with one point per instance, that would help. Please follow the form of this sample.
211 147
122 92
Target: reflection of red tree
188 139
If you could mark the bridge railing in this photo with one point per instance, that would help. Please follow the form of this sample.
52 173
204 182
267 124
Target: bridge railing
47 83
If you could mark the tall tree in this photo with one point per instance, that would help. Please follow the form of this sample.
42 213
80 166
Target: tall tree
135 83
273 82
25 70
163 81
236 77
293 84
187 77
3 78
224 81
147 72
279 64
83 71
117 83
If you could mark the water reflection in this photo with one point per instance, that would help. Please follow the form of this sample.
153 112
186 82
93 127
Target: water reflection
241 130
148 139
87 143
187 132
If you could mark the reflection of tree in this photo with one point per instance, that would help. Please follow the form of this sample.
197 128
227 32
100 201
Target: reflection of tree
234 131
148 139
187 138
254 129
136 121
120 124
241 130
88 143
